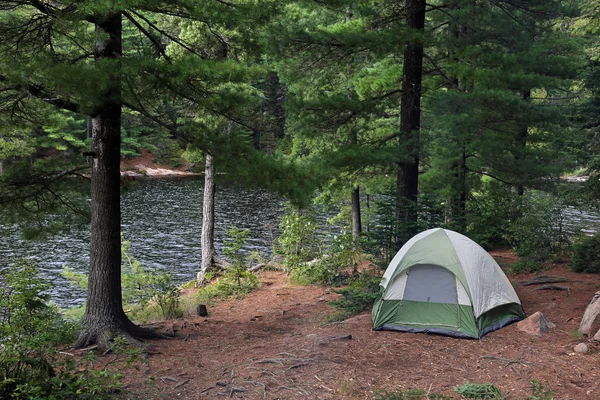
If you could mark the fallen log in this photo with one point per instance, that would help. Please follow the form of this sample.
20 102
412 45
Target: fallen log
555 287
544 279
589 316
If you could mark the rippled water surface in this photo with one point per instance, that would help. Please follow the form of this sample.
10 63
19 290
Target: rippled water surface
162 219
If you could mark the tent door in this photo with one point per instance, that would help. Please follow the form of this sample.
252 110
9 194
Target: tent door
434 287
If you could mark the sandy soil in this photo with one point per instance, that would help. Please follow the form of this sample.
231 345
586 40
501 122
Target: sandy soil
272 345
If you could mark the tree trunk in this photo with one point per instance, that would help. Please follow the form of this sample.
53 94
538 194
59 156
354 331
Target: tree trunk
208 220
1 166
456 215
356 223
104 317
521 144
407 179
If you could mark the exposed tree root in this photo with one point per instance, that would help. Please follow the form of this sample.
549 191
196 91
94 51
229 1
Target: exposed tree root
104 335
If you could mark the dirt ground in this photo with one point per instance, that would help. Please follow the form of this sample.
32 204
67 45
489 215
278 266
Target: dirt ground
273 345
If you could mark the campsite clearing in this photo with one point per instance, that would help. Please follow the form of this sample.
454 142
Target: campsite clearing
272 345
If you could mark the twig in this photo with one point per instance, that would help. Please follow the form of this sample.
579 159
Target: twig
297 366
508 360
332 323
206 389
180 384
169 378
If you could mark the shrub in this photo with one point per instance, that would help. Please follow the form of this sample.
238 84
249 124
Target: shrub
140 287
31 331
359 295
483 391
334 268
585 257
297 242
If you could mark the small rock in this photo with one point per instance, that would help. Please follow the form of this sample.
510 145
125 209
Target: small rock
536 324
581 348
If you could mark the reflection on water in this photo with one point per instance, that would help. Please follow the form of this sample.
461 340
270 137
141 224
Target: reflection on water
162 219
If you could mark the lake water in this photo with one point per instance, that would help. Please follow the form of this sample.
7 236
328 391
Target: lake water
162 219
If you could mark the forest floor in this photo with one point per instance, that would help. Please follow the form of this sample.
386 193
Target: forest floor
275 343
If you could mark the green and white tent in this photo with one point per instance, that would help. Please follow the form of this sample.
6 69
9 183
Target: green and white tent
443 282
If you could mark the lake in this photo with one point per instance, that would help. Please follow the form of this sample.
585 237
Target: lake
162 218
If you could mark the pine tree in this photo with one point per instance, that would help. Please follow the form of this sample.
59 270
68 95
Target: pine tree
93 58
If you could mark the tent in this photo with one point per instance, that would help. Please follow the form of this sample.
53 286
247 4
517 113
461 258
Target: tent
443 282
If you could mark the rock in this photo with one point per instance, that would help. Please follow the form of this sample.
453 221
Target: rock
536 324
581 348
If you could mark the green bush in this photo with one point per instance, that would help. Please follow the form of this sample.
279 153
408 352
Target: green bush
297 242
359 295
334 268
586 257
31 332
532 224
140 287
483 391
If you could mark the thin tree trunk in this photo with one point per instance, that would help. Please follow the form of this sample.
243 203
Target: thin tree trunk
208 220
104 317
521 146
407 179
356 223
1 166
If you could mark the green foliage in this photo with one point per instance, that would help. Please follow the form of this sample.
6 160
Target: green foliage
236 238
532 224
31 333
359 295
483 391
585 256
297 241
140 287
232 284
335 267
540 391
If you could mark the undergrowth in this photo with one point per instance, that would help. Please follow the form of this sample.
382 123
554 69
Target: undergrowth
32 334
234 284
478 391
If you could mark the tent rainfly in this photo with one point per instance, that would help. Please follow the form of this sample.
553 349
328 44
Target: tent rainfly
443 282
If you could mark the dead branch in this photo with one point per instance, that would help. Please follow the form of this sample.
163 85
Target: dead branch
181 384
555 287
507 360
544 279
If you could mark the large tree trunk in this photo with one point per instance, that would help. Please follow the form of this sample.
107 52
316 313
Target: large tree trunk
208 220
407 180
104 317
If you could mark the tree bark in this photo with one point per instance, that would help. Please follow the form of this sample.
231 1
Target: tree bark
407 179
104 317
356 223
208 220
521 144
